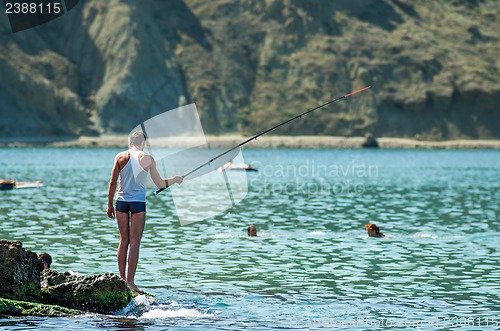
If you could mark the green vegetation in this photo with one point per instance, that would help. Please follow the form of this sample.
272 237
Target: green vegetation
29 291
249 64
112 300
101 293
21 308
427 62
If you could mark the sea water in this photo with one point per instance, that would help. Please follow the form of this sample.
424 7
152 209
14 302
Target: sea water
312 265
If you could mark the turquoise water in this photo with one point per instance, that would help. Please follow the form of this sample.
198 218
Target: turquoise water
312 265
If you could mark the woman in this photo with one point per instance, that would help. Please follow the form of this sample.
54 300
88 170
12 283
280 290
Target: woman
132 166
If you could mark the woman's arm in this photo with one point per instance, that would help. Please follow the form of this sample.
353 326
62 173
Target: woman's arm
112 188
160 182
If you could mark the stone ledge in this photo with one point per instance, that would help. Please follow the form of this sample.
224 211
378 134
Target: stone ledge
26 290
10 307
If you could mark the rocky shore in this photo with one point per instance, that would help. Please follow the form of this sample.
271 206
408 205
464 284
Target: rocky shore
268 141
28 290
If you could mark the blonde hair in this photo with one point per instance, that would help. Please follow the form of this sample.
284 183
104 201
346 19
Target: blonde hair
137 138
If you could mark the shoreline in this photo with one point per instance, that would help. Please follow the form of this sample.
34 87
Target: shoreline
270 141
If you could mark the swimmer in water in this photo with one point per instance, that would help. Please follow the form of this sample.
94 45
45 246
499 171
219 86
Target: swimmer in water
252 231
373 231
46 260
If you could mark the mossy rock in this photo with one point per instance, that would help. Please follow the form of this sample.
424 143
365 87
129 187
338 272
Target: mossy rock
102 293
10 307
23 286
19 272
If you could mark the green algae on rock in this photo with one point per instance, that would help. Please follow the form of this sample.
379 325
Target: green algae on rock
102 293
25 290
10 307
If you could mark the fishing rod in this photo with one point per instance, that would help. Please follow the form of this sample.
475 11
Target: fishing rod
264 132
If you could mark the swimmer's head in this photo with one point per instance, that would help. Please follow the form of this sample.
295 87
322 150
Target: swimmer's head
372 230
46 260
252 231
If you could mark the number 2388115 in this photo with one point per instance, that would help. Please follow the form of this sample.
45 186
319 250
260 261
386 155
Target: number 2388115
33 8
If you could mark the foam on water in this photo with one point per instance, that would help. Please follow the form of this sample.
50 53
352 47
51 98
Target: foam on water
317 233
170 313
137 306
226 236
425 235
147 307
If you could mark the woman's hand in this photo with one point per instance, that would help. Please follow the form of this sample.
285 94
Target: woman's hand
178 179
111 211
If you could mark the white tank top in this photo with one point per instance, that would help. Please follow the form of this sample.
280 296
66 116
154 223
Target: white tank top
132 186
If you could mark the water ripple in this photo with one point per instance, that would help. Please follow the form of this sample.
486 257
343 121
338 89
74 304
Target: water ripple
312 259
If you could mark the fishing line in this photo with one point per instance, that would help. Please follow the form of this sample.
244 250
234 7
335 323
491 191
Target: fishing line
266 131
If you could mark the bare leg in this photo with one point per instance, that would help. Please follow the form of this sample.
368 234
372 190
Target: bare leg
136 230
123 226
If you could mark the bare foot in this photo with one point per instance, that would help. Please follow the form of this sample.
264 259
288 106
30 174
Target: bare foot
135 288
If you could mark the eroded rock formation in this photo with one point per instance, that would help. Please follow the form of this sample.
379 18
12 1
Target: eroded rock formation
19 272
26 290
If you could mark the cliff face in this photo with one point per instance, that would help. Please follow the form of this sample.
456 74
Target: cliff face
102 66
107 66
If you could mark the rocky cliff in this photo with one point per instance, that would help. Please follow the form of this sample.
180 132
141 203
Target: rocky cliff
106 66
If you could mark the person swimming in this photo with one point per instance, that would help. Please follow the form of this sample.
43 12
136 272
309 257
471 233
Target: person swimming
230 166
46 260
252 231
373 231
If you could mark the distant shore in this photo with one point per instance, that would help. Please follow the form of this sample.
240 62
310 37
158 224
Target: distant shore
226 141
